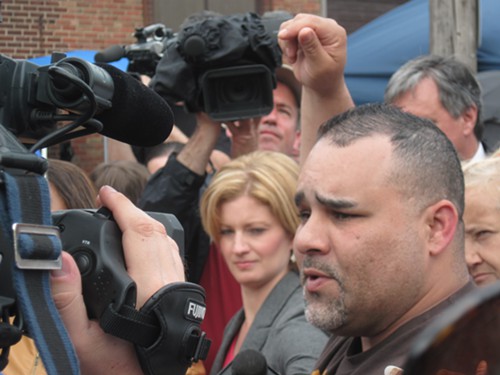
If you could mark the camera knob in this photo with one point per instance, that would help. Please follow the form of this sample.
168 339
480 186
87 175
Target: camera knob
84 262
194 46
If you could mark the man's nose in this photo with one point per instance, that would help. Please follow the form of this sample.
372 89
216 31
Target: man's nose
311 237
269 119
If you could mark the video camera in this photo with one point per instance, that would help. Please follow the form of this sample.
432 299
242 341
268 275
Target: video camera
34 97
224 66
221 65
99 255
143 55
83 98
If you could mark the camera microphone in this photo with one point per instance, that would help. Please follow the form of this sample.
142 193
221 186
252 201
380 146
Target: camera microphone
138 116
248 362
110 54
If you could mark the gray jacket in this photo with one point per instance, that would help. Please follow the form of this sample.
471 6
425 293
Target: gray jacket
280 332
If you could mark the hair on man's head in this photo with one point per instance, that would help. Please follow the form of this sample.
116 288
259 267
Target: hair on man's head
458 87
426 163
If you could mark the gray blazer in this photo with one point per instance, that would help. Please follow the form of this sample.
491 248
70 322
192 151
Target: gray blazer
280 332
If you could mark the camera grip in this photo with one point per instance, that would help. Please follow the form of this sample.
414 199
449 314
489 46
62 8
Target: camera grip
98 253
179 309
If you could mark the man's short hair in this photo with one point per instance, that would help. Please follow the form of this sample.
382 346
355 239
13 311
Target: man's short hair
284 74
427 167
458 87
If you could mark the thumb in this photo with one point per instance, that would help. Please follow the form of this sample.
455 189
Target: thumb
309 42
66 286
482 368
393 370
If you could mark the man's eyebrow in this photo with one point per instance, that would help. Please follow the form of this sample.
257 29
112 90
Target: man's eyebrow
284 105
332 203
335 203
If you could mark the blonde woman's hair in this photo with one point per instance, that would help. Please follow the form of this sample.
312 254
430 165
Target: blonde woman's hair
495 153
483 173
267 176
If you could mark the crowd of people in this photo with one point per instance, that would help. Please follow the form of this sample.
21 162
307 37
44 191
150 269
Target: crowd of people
326 238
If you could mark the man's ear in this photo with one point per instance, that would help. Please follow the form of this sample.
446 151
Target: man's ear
441 220
469 118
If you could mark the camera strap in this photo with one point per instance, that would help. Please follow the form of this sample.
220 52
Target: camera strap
27 224
166 331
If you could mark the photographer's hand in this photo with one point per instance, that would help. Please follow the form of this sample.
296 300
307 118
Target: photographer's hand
151 256
152 260
244 136
316 48
197 151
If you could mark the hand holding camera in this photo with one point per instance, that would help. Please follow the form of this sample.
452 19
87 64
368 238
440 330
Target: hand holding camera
98 253
154 263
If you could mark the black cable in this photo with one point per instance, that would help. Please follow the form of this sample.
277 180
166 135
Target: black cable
91 126
84 119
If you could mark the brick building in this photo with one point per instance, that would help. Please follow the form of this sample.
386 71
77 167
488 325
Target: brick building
32 28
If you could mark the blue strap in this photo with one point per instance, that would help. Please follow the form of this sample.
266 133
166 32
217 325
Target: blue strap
37 249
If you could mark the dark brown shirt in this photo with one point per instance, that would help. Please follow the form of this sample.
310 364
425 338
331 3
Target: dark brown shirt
343 355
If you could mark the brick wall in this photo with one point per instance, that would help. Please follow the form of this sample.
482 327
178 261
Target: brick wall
37 27
292 6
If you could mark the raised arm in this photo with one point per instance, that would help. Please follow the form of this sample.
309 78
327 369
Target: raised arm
316 49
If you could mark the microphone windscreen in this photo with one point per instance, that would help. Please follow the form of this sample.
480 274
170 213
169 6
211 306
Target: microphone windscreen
249 362
138 116
110 54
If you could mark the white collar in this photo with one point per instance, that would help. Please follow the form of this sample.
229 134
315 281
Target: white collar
480 153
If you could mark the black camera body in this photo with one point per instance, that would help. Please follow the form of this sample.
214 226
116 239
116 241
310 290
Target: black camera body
222 65
144 55
94 240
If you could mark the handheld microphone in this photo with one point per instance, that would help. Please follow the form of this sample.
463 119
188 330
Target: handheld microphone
248 362
110 54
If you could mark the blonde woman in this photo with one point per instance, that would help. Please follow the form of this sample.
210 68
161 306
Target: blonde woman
249 212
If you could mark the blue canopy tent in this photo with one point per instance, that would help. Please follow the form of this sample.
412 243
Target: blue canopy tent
378 49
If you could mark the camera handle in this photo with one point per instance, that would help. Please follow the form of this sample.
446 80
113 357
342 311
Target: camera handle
32 248
9 334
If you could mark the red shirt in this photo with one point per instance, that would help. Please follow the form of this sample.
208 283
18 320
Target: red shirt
223 298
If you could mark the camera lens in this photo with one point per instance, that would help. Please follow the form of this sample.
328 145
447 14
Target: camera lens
237 90
159 33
